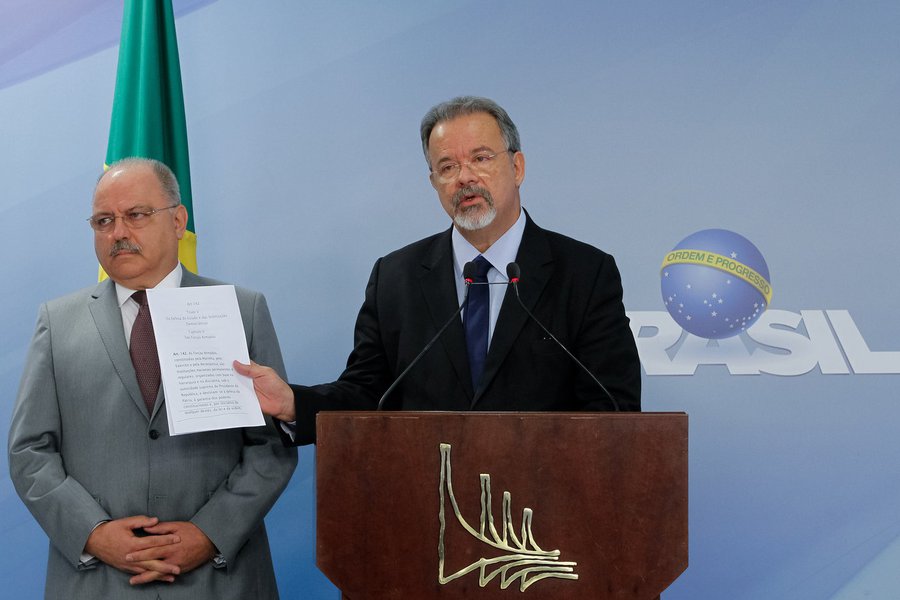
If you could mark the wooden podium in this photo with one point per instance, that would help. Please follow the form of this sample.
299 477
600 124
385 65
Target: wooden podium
422 505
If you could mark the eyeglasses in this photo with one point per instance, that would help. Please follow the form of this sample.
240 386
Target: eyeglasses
134 219
481 164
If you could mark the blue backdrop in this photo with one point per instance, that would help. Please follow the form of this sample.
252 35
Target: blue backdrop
642 123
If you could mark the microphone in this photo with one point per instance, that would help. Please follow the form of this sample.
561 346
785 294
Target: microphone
513 273
469 277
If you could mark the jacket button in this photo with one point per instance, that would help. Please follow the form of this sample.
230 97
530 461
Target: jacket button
154 434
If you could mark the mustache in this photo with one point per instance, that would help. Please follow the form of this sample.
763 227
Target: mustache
124 246
472 190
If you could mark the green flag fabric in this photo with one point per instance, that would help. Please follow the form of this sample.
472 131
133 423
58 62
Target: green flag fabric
148 107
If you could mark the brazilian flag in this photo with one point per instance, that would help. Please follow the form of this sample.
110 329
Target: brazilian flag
148 107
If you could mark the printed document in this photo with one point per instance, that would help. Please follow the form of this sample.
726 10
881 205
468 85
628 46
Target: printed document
199 333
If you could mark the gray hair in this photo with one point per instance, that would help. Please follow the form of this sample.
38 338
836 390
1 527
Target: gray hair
167 179
467 105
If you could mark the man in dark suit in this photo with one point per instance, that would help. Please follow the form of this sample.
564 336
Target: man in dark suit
477 167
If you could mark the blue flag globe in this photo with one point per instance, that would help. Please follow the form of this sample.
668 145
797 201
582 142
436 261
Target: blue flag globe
715 283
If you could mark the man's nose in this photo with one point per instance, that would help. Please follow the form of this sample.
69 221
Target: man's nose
120 230
467 174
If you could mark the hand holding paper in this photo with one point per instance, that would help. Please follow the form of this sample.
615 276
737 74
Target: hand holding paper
275 396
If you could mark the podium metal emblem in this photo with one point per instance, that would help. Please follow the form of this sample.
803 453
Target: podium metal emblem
513 557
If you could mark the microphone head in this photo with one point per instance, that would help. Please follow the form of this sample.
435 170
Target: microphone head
513 272
469 271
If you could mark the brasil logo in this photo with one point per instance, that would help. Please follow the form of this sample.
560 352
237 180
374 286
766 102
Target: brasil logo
715 283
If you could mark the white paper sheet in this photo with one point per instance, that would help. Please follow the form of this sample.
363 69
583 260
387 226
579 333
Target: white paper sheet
199 333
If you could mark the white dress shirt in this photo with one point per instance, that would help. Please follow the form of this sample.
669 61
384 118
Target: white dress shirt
130 308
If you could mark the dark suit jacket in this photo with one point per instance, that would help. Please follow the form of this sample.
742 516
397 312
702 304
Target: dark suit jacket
574 289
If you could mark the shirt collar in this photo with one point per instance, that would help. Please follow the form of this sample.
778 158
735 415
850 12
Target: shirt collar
173 279
501 253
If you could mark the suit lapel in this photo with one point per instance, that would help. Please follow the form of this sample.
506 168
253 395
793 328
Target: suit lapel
439 290
107 315
536 262
104 307
188 279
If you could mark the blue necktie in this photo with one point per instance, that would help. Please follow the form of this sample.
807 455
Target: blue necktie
477 318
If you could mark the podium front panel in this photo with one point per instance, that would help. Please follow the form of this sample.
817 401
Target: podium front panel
501 505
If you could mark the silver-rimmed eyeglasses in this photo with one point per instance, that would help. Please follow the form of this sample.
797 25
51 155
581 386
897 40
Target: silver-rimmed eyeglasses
134 218
483 163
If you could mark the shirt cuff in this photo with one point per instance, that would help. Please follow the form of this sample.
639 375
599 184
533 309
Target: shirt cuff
290 428
89 560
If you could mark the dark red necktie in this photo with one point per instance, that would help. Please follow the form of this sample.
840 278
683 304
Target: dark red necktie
143 352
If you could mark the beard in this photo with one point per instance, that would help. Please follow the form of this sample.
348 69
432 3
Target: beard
474 217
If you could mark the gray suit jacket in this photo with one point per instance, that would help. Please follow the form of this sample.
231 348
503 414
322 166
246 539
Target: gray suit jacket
82 449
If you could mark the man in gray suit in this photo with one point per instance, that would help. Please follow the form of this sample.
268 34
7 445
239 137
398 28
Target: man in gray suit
127 506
